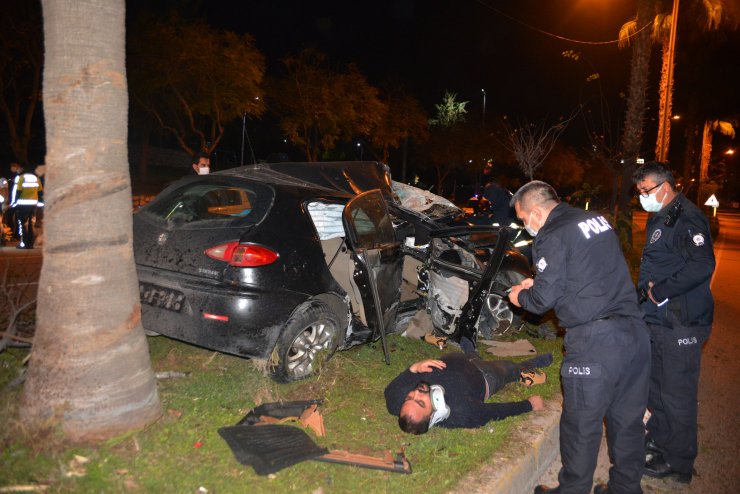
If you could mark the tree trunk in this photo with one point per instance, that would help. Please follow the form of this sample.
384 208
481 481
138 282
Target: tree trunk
89 370
706 155
636 103
665 95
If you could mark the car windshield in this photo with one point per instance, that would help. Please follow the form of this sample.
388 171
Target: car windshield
201 202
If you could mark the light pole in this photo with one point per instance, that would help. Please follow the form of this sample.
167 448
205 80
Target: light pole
359 145
483 122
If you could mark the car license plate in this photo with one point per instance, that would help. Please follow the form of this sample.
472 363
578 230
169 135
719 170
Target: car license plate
158 296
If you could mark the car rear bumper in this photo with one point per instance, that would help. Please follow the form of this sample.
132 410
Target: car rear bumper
236 320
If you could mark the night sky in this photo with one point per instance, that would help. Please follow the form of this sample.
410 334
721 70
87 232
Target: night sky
462 46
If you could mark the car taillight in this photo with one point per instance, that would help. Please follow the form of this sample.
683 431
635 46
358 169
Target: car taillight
242 255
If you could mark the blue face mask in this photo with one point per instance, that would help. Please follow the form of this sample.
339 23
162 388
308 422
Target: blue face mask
529 228
650 203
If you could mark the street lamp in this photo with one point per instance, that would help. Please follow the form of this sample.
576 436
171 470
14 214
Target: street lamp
359 145
483 122
730 152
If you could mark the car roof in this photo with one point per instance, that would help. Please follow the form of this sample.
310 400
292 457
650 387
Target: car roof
343 178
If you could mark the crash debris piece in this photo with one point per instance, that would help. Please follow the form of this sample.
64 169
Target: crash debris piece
509 348
312 418
270 447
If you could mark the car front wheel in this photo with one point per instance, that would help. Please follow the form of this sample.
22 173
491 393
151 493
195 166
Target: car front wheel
308 338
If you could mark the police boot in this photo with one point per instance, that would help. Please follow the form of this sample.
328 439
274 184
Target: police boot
601 489
658 468
651 450
19 230
543 489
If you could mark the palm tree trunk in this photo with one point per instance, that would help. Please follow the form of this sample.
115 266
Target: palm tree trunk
89 370
706 154
636 104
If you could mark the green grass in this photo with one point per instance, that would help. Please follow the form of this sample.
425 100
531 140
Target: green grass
219 391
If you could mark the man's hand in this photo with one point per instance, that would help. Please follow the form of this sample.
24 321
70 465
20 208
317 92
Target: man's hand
650 292
537 403
427 366
526 284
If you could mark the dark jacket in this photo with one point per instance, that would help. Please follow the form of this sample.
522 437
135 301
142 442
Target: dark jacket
679 259
464 392
580 270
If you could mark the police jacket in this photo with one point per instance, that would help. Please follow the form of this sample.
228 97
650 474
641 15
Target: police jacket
679 259
465 388
580 270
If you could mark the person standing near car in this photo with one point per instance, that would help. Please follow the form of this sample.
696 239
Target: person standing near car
498 197
24 199
675 274
9 216
201 163
581 274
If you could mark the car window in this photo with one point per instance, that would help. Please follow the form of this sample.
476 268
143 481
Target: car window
204 202
369 218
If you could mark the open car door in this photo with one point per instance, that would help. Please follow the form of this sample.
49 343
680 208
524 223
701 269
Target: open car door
378 261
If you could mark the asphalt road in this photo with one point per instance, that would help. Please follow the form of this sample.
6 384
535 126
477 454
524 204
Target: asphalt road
718 464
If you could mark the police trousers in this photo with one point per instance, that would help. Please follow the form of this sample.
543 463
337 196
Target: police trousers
674 384
605 373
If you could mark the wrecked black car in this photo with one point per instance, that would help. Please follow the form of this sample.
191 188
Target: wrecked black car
286 261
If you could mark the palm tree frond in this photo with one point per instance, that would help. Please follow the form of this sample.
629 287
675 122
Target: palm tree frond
724 128
713 10
662 26
626 32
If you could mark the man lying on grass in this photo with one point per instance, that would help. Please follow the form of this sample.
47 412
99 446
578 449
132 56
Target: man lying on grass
450 392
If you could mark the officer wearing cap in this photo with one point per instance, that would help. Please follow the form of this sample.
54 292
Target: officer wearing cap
581 274
675 272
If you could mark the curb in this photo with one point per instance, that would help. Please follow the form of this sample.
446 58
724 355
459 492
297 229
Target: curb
533 446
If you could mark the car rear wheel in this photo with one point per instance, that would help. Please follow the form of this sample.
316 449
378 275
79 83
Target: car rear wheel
497 318
309 337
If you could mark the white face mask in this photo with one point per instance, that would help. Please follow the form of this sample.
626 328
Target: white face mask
204 170
650 203
529 228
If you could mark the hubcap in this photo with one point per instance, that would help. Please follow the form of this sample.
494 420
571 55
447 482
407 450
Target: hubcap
306 345
502 314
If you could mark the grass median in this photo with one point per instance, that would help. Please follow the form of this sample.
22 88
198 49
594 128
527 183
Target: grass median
183 453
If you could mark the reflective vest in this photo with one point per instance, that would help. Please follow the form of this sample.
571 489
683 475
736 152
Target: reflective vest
26 188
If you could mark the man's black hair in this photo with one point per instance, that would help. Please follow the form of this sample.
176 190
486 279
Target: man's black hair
411 427
658 171
200 154
534 193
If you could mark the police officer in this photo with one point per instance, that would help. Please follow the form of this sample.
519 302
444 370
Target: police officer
24 198
676 269
498 197
582 274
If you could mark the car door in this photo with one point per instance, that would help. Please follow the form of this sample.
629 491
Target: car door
378 261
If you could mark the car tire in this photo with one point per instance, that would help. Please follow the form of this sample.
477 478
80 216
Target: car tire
309 337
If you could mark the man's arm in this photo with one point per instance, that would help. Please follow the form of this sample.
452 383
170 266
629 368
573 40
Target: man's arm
396 391
549 284
479 414
696 247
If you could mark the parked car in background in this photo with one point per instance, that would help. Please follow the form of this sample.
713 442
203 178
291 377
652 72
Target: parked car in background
287 261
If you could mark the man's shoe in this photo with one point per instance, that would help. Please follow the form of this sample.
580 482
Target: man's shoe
601 489
658 468
531 377
543 489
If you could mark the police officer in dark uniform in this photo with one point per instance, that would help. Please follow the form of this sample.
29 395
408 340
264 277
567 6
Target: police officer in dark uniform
676 269
498 197
582 274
